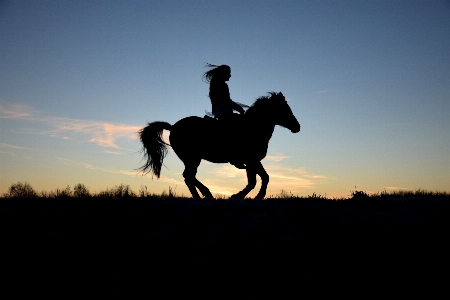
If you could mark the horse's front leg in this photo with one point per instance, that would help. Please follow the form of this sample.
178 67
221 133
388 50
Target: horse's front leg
251 178
264 180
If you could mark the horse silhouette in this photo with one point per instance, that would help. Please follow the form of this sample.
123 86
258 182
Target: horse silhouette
243 139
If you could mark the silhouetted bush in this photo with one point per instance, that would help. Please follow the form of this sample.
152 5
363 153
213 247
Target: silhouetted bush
360 195
121 191
81 191
21 190
143 191
67 192
171 194
284 195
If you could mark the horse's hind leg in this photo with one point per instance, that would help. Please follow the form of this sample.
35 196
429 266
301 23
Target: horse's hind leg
203 189
192 183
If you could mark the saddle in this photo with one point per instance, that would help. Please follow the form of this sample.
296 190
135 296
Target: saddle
227 128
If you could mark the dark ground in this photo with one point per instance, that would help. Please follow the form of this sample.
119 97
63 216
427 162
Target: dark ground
138 248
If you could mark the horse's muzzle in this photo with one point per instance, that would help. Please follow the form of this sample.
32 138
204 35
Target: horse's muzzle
296 129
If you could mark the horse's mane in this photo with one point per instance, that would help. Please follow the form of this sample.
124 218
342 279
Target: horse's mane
263 103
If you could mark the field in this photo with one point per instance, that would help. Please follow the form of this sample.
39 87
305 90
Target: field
138 247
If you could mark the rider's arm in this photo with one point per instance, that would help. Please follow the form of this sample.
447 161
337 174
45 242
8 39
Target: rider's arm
237 107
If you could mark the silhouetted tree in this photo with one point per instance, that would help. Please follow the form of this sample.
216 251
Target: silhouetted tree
81 191
122 191
21 190
67 192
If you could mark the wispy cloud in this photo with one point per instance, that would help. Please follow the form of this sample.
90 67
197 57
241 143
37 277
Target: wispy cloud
113 152
11 150
15 111
104 134
291 178
8 146
113 171
228 171
395 188
220 189
65 160
276 158
322 91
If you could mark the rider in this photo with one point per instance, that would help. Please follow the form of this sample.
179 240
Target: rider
222 105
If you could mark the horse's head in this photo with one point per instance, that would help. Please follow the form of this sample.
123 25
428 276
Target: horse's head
283 114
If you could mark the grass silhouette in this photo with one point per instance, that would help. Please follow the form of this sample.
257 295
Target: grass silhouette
139 245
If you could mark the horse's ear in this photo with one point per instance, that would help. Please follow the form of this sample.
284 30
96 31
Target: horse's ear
280 94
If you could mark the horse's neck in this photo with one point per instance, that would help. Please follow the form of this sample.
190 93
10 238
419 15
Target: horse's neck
261 128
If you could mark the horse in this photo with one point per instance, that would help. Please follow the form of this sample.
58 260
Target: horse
243 140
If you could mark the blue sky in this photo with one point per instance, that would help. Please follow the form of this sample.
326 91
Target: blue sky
369 81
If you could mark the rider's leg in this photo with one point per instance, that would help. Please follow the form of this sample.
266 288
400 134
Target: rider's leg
230 124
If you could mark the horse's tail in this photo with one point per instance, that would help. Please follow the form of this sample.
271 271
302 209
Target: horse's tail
154 148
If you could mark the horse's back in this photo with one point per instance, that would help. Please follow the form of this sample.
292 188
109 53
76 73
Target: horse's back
193 126
192 121
198 137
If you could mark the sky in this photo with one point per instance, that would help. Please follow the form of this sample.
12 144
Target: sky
369 82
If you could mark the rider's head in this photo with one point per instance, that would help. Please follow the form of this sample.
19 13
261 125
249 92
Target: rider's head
222 72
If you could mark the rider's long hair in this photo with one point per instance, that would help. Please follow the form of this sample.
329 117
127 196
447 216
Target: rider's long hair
214 70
